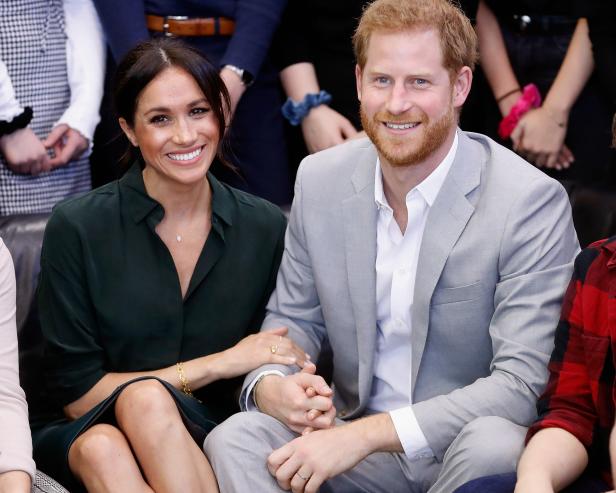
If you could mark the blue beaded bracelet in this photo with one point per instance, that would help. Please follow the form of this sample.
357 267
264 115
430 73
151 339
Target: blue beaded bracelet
295 112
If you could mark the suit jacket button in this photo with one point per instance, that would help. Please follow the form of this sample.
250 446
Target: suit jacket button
342 413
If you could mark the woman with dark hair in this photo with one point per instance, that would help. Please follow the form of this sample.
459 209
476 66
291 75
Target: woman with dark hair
149 286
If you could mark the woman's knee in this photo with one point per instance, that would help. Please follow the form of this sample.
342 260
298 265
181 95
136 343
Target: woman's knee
95 448
145 401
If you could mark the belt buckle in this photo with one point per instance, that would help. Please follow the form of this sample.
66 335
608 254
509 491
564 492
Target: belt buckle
172 18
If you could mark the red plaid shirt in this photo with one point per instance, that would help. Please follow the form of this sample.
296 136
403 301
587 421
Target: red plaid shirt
580 393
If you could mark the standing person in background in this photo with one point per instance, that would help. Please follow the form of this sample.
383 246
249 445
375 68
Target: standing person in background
601 21
314 52
235 35
546 44
16 464
51 83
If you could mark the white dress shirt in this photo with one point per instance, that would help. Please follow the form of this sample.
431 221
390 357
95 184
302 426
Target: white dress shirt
396 267
85 60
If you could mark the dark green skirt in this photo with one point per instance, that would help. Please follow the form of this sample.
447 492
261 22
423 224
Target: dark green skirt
53 441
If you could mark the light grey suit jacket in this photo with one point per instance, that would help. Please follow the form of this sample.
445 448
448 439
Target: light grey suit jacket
494 262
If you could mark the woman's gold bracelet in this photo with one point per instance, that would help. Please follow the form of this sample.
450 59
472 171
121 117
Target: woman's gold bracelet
183 380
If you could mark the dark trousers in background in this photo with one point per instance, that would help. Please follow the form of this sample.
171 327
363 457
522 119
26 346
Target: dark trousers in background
505 483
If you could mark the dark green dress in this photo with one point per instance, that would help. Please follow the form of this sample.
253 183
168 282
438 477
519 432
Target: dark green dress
110 301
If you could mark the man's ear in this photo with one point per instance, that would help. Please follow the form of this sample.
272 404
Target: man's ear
358 81
462 86
128 131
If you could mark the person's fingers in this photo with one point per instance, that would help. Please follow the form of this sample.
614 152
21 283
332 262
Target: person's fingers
287 347
40 163
552 160
314 483
325 419
279 359
278 331
568 156
35 166
55 135
517 137
24 167
56 160
540 160
307 430
309 369
315 381
348 130
529 156
45 163
282 464
563 161
318 403
61 155
300 478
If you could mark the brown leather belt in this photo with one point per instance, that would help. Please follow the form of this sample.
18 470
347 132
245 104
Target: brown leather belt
174 25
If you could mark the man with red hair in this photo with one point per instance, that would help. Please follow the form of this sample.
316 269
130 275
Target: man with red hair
432 261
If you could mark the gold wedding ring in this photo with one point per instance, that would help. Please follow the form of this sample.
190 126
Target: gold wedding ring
274 348
302 477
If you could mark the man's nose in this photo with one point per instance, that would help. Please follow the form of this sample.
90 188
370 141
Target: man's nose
400 99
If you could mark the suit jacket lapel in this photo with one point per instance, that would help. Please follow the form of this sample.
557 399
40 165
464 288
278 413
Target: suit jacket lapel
360 216
447 219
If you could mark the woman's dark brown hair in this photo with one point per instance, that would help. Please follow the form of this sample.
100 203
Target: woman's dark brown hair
146 61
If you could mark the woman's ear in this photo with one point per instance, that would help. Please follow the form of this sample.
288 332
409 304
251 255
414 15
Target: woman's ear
128 131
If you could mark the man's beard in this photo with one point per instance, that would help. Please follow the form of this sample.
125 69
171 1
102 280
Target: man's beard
408 150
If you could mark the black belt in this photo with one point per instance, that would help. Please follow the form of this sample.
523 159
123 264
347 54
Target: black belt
540 24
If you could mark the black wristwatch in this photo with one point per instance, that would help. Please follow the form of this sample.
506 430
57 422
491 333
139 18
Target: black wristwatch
246 77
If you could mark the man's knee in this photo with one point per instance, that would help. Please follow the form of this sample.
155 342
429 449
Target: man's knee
488 445
249 431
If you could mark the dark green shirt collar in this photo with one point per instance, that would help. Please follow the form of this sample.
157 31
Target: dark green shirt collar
140 205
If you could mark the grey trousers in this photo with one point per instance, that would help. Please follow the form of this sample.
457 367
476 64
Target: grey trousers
239 447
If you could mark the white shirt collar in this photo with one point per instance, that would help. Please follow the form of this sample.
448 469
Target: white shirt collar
428 188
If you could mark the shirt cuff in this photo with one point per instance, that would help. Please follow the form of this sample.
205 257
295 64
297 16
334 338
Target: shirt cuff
249 403
9 106
85 66
411 437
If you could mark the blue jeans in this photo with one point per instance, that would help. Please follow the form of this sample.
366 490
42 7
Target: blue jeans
505 483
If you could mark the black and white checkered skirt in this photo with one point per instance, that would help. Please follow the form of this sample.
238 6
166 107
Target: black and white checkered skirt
33 47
